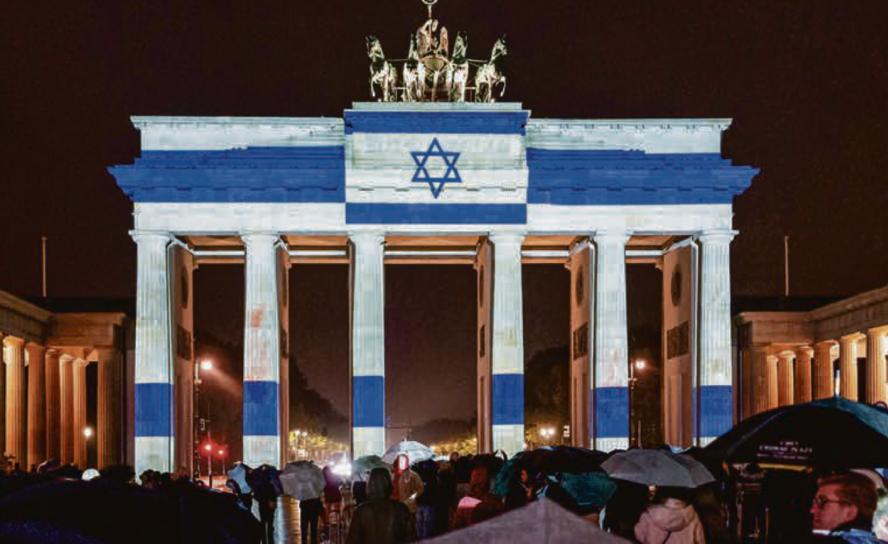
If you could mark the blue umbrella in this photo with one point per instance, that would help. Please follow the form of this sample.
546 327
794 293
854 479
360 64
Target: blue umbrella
239 475
590 490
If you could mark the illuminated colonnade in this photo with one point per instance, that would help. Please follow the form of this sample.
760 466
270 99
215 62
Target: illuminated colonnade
790 357
43 386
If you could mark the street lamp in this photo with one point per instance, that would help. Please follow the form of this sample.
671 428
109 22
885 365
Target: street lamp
547 433
636 367
208 451
87 432
199 423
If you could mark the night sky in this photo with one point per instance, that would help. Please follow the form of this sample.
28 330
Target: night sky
805 82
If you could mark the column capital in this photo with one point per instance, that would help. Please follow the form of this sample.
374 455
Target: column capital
804 351
853 337
151 236
104 354
66 358
368 237
506 238
877 331
611 236
13 341
259 236
716 236
52 352
79 362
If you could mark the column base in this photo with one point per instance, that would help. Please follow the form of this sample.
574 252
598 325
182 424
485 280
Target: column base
368 441
705 440
262 450
508 438
610 444
154 453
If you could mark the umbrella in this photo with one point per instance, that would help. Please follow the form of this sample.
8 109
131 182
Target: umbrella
833 432
106 511
548 460
413 450
302 480
658 468
590 490
367 463
541 521
239 475
265 481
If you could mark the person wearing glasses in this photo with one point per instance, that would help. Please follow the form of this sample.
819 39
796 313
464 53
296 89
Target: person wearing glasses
843 509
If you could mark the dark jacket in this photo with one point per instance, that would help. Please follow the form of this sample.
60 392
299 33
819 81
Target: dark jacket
381 520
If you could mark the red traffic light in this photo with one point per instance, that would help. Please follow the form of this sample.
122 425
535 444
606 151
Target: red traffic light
206 449
221 452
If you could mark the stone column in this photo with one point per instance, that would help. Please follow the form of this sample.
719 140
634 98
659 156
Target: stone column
79 375
803 374
153 378
262 352
582 270
848 366
507 345
715 399
785 384
773 378
108 408
483 400
36 404
66 394
53 404
824 381
611 377
875 366
762 383
2 394
368 343
16 410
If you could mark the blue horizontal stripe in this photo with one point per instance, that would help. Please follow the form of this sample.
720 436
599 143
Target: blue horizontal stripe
368 401
153 409
261 408
611 412
256 174
435 214
508 399
436 122
716 410
585 177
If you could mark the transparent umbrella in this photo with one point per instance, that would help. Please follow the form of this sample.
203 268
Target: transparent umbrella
657 468
413 450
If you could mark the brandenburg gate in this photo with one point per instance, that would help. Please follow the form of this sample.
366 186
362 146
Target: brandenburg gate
415 179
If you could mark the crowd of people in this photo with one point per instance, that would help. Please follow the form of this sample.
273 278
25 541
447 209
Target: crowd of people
411 502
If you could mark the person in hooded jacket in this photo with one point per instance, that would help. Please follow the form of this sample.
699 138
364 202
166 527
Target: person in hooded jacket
381 519
407 484
669 520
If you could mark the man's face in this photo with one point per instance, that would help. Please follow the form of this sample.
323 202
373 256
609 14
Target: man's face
830 510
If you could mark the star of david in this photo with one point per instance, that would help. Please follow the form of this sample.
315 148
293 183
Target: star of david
436 183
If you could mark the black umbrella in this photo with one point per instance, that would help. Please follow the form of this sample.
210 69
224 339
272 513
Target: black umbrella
106 511
550 460
832 432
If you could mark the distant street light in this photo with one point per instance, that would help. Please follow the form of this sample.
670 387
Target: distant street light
199 424
634 369
547 433
87 432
